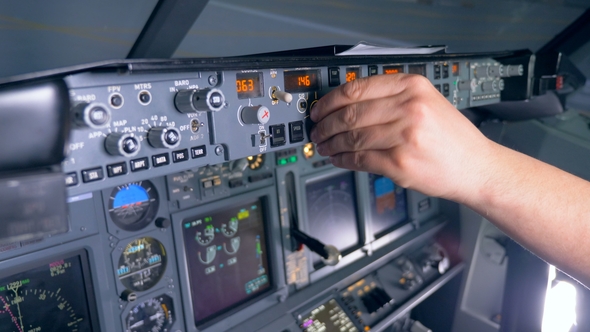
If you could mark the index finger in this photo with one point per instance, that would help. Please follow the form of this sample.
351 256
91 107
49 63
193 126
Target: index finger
365 88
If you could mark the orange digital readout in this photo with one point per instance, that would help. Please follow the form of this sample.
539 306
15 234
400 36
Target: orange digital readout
393 69
302 80
353 73
249 85
455 69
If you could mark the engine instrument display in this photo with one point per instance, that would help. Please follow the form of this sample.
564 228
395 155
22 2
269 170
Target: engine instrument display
249 85
228 262
388 204
55 295
332 212
142 264
153 315
302 80
134 205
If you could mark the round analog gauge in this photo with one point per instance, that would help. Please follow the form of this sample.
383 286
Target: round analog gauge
142 264
230 228
134 205
205 234
153 315
255 162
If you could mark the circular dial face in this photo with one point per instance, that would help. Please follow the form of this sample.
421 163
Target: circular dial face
153 315
204 235
142 264
134 205
230 228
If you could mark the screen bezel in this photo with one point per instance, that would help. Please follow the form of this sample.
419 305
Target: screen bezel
252 306
86 278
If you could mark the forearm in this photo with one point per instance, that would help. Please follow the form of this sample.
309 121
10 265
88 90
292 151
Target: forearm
543 208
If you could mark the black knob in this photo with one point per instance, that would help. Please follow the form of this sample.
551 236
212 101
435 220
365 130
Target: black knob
122 144
94 115
164 137
163 222
190 101
128 296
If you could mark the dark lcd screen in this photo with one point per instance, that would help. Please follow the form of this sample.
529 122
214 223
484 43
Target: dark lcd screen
332 212
417 69
388 204
226 257
53 295
249 85
302 80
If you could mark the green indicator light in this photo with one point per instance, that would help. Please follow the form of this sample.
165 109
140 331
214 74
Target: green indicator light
208 219
293 159
282 161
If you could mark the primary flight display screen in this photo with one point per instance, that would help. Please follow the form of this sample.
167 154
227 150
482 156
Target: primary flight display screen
332 212
227 258
52 295
388 204
302 80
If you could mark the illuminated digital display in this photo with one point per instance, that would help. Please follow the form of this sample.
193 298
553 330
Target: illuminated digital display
302 80
353 73
227 260
388 205
332 212
393 69
455 69
417 69
249 85
53 295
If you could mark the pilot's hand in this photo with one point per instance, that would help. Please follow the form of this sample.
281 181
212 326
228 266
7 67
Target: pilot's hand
400 126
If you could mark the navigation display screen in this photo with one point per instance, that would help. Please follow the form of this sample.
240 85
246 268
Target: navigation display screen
388 204
332 212
54 295
227 258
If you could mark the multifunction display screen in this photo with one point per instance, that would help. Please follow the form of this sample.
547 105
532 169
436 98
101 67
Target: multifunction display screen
249 85
332 212
226 257
302 80
388 204
55 295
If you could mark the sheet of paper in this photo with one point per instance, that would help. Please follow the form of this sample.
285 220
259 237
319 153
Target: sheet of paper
364 48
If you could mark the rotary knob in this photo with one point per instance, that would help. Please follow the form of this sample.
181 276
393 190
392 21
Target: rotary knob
93 115
255 114
164 137
122 144
191 101
481 72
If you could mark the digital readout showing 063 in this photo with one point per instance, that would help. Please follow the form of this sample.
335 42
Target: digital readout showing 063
302 80
249 85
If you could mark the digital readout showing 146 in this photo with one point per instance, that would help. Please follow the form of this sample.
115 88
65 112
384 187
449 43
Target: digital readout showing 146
302 80
249 85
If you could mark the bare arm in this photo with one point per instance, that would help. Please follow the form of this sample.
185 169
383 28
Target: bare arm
401 127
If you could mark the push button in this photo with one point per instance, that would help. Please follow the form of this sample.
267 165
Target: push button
277 135
116 169
199 151
373 70
333 76
181 155
139 164
71 179
160 160
93 174
296 131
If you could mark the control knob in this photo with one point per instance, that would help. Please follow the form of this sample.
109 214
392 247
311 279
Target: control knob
492 86
481 72
164 137
511 70
122 144
255 114
199 100
93 115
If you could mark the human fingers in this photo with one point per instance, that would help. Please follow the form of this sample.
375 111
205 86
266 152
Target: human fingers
365 88
378 137
359 115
